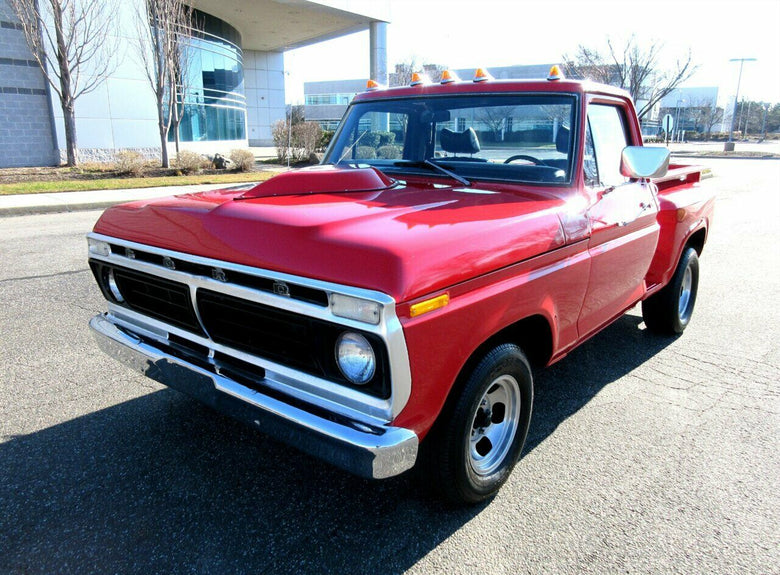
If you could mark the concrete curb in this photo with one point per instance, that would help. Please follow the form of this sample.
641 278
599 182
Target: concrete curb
55 209
62 202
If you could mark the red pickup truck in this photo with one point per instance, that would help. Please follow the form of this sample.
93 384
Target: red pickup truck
384 310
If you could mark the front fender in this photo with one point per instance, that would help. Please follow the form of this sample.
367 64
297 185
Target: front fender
441 342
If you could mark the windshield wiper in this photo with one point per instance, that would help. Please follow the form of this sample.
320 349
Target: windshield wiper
435 166
349 149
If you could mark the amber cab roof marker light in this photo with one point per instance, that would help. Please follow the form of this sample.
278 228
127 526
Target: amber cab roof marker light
555 73
372 85
482 75
419 79
448 77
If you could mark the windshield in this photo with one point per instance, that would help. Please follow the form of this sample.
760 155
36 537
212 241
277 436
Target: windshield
523 138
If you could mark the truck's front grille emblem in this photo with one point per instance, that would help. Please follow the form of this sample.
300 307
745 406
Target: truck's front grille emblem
218 274
281 288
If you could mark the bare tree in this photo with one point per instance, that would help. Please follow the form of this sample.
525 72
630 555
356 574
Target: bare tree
707 115
635 68
497 119
296 114
164 27
71 42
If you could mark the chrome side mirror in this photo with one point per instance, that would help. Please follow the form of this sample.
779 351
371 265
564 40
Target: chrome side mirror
644 162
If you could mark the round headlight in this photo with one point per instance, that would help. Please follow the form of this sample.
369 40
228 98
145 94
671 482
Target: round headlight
355 357
113 288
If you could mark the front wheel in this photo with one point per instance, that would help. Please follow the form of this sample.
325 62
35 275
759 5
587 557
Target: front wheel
473 449
669 311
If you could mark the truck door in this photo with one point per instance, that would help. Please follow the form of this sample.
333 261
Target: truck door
624 230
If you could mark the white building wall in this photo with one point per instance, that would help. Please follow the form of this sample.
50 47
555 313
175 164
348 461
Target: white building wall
120 113
264 89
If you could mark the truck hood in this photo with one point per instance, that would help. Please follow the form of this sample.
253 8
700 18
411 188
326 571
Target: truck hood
368 231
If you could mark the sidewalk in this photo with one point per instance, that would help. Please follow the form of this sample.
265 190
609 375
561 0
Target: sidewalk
23 204
695 149
768 146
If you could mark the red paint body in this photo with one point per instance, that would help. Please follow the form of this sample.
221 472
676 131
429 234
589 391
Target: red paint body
517 251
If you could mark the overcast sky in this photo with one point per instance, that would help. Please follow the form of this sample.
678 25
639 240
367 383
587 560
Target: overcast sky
463 34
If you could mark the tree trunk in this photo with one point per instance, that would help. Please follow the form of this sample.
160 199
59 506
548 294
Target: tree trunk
69 111
66 87
175 126
176 108
164 147
163 126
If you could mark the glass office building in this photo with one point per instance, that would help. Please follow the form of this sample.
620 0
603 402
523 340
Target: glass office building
214 102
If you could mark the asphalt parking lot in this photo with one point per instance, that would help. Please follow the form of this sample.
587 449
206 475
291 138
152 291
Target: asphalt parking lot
645 454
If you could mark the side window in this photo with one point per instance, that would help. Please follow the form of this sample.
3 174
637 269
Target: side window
608 132
589 161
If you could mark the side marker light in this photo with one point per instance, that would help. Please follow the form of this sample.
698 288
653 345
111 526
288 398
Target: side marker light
429 305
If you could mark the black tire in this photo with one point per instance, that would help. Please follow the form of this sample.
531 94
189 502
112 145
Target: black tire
669 311
461 462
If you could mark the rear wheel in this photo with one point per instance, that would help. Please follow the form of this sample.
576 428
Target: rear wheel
472 451
669 311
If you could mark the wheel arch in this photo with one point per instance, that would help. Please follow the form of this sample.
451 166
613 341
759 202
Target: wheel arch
697 240
532 334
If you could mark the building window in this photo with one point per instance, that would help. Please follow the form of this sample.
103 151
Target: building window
329 99
214 106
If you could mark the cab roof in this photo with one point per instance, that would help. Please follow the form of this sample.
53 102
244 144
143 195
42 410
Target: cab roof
493 86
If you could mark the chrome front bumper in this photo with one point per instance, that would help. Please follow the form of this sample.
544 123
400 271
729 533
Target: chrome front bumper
366 450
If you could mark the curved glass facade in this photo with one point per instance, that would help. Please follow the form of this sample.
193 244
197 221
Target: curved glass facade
214 106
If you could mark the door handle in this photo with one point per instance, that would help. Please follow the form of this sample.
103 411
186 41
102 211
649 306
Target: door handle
643 207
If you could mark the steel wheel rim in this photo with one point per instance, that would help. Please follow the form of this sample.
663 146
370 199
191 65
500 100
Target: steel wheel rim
494 425
686 290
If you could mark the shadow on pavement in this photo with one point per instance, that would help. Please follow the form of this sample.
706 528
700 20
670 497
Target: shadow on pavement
162 484
565 387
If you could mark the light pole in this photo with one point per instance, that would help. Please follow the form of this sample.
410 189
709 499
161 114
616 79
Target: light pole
289 133
763 128
729 146
677 119
289 112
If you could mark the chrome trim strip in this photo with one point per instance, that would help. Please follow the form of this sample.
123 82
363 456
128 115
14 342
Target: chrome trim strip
389 328
362 448
195 309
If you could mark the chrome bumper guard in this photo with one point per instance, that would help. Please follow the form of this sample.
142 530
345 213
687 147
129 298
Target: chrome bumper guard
366 450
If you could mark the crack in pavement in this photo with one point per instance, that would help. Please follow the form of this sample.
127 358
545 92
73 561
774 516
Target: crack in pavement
44 276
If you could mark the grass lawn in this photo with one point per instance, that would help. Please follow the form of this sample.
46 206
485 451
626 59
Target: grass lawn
60 185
